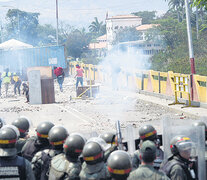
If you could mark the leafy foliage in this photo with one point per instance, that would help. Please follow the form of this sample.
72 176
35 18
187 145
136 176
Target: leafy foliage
147 16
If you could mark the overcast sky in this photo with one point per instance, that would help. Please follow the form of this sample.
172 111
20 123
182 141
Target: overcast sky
82 12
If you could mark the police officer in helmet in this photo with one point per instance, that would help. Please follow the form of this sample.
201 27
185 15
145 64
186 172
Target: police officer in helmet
148 132
146 170
23 125
119 165
178 164
42 159
93 166
109 138
67 165
38 142
11 165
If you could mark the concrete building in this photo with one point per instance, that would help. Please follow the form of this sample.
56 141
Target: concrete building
115 23
147 47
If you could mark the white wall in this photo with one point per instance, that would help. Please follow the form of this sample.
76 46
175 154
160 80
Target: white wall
113 25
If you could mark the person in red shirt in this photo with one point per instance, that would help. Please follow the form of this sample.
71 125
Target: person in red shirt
58 71
79 75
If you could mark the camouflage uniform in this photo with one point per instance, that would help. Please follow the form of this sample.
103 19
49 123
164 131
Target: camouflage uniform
147 172
20 144
41 162
64 168
176 169
94 172
157 162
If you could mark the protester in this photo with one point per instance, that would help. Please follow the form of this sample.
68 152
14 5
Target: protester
79 75
6 80
17 83
26 91
58 71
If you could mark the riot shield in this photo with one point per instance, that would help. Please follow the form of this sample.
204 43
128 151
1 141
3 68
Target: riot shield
173 127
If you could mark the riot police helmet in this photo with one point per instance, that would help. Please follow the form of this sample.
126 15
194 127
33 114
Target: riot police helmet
93 153
43 130
23 124
8 139
73 146
147 132
119 165
182 146
57 136
109 137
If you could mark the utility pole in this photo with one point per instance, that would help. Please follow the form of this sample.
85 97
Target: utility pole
190 46
57 22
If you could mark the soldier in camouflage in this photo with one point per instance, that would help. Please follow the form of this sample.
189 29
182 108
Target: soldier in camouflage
11 165
42 160
109 138
39 142
146 169
94 166
119 165
68 165
148 132
23 125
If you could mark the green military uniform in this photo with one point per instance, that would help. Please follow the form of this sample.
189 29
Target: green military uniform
94 172
64 168
20 143
147 172
177 169
157 162
38 163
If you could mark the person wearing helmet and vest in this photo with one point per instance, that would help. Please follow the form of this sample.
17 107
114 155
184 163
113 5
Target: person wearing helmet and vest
119 165
6 79
148 132
177 166
58 71
17 83
11 165
94 166
109 138
41 162
23 125
39 142
148 151
67 165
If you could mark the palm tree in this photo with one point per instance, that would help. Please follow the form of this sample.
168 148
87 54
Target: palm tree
96 26
178 6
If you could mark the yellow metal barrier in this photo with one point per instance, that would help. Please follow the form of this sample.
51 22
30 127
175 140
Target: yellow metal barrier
181 87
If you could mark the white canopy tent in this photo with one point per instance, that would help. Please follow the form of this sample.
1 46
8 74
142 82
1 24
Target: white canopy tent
13 44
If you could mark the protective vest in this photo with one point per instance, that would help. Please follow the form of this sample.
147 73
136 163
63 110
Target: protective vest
12 168
16 78
46 159
32 147
62 168
167 167
6 77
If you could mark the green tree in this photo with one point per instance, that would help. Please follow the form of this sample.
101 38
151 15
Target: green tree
127 34
97 27
46 35
22 25
147 16
77 43
178 7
